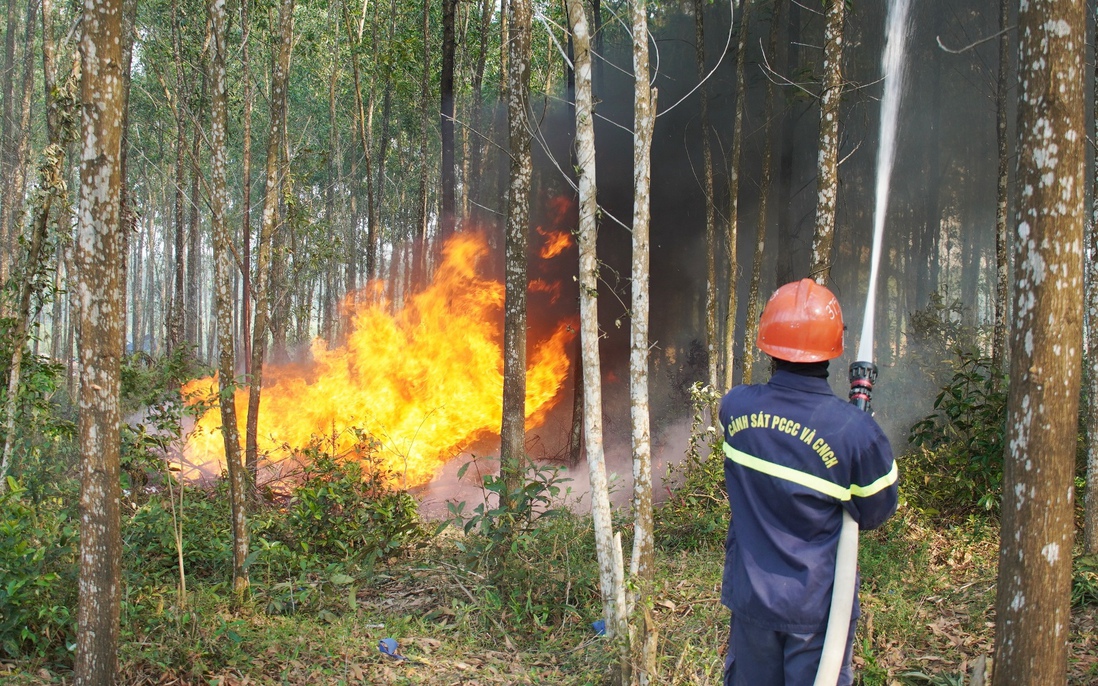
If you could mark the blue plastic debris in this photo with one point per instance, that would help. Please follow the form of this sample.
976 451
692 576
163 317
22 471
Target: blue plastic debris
388 646
599 627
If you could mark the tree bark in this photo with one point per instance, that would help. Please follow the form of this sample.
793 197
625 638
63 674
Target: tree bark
223 279
7 133
827 167
246 188
192 322
99 290
728 345
783 267
607 544
419 242
642 563
752 327
15 185
272 186
712 335
1033 613
1002 264
447 220
513 429
1090 514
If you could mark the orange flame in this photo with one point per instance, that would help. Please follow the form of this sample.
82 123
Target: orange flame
425 382
556 242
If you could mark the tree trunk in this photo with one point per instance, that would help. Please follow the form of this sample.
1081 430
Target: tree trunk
752 327
712 335
827 168
223 279
364 133
1033 613
642 564
99 291
335 174
15 185
728 345
246 188
192 313
447 219
1090 517
480 139
419 242
7 135
783 267
267 228
51 184
1002 264
607 544
513 430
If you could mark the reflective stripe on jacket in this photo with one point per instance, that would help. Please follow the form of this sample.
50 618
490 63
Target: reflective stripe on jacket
795 455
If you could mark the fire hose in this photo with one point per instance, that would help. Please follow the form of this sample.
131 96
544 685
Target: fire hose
862 376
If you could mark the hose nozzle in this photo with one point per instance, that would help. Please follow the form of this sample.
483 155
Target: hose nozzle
862 377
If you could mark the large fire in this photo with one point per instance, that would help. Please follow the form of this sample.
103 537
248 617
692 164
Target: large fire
424 383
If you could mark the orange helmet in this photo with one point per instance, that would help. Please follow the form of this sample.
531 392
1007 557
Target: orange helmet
802 322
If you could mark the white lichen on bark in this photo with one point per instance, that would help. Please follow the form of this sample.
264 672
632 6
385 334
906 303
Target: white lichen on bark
1038 489
611 575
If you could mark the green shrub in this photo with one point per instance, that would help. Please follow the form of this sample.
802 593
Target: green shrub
1084 581
533 562
148 381
344 509
695 514
148 541
38 549
957 467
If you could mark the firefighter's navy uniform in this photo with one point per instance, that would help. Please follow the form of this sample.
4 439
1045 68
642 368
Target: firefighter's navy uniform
795 455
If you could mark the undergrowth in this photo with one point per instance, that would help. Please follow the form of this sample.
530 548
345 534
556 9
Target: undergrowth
495 595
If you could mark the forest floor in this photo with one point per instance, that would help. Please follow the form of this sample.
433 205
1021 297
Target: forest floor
927 596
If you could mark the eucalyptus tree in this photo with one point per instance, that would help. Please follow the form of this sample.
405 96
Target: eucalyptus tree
765 180
513 428
272 190
99 291
607 543
1033 613
642 561
827 168
223 272
728 345
711 335
17 141
33 271
1090 516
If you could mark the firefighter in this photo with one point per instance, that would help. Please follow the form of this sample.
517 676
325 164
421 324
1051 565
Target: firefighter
796 455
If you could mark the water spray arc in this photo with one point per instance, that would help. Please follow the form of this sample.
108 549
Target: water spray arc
863 372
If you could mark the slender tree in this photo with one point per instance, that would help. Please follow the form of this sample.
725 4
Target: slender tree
51 189
1033 613
827 167
262 278
607 543
642 563
728 345
447 217
419 239
1002 265
752 327
513 430
99 290
223 273
712 336
246 188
